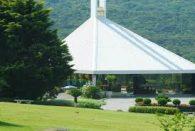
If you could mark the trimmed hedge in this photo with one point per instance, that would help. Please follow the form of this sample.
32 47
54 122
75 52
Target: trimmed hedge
89 103
139 99
153 110
192 102
55 102
82 103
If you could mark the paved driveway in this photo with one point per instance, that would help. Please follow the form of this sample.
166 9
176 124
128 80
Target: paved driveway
124 103
118 104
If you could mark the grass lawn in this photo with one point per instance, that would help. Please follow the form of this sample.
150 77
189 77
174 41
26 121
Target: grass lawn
19 117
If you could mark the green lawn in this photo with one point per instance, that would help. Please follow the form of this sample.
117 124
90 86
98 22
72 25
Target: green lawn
18 117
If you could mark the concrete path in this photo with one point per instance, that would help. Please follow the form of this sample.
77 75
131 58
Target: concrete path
118 104
124 103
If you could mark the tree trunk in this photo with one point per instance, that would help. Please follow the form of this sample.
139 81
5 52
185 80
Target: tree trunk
75 100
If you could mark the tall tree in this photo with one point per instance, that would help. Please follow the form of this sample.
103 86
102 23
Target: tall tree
31 54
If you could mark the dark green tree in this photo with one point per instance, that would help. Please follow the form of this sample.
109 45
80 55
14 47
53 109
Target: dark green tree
32 57
75 93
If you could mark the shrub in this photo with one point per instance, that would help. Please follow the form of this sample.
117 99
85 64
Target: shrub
92 92
139 100
55 102
154 109
186 108
116 88
89 103
147 101
75 93
176 102
6 100
111 78
82 103
178 122
162 102
160 96
192 102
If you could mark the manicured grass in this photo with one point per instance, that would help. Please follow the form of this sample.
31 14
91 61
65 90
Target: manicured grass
19 117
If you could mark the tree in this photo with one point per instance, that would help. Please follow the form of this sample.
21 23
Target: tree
92 92
75 93
33 58
111 79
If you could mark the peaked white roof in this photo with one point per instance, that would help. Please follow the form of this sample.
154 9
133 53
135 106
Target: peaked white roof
100 46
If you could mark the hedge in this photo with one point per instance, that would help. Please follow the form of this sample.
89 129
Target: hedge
82 103
153 110
55 102
90 103
192 102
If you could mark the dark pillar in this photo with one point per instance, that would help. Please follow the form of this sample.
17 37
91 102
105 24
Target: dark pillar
138 81
193 83
135 85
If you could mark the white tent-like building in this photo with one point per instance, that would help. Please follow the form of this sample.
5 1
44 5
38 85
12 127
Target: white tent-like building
100 46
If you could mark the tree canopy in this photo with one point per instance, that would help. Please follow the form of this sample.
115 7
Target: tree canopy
32 58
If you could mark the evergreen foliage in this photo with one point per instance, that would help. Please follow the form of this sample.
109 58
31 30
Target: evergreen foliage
32 60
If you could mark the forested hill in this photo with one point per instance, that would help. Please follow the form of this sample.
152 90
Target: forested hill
169 23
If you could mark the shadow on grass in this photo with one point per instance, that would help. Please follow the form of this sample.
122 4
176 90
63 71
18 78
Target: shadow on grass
8 124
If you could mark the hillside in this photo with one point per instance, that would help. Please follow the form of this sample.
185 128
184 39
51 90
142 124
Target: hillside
169 23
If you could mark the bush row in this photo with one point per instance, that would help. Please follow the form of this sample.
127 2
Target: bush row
154 109
162 100
141 101
83 103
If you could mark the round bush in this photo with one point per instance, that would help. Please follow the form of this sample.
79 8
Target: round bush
147 101
160 96
139 100
192 102
162 102
91 92
176 102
